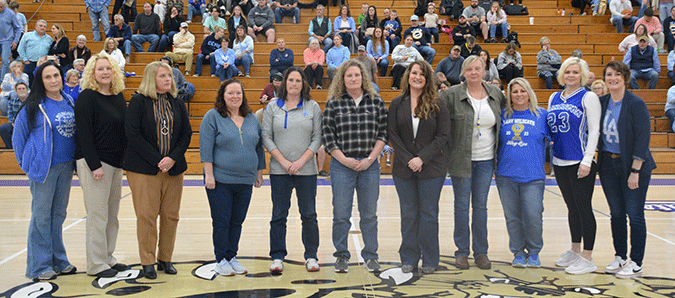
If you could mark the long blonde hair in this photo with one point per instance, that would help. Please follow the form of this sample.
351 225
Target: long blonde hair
148 84
89 80
427 103
337 86
532 102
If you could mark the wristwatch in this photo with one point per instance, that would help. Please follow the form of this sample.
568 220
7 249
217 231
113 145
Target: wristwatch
634 170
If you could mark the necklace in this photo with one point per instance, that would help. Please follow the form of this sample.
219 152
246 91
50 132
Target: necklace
165 129
480 107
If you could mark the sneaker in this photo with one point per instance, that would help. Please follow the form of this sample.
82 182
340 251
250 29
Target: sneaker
518 262
195 75
394 88
323 173
188 21
128 58
533 261
631 270
187 73
342 264
581 266
318 87
312 265
372 265
428 270
277 266
248 75
567 258
68 270
224 268
240 74
407 268
238 268
213 76
615 266
49 275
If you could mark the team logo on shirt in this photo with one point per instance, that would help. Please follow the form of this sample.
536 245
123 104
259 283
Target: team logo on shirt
65 124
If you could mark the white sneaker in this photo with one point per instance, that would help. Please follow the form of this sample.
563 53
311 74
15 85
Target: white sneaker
615 265
277 265
224 268
567 258
581 266
312 265
238 268
631 270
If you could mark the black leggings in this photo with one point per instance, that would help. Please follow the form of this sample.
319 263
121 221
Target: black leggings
314 74
509 72
578 194
397 72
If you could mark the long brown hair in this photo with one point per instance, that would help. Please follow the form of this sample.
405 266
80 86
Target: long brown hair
380 40
427 103
221 105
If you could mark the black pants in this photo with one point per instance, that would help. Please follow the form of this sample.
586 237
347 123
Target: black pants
578 194
314 75
509 72
397 72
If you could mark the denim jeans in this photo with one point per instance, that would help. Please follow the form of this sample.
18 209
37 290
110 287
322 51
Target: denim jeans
523 205
200 60
367 184
125 46
6 134
4 105
166 40
383 65
664 11
229 204
670 113
94 16
671 77
472 191
549 79
393 42
6 48
619 22
280 12
305 190
246 61
192 10
652 76
226 73
46 251
503 26
29 69
138 39
625 201
426 51
419 219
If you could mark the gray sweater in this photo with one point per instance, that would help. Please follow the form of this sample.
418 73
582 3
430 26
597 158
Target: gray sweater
292 132
236 156
262 17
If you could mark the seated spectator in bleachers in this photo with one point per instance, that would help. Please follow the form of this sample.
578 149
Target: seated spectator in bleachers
121 33
386 14
97 10
33 46
370 64
475 15
242 45
669 65
237 19
314 57
622 15
214 20
368 24
669 29
496 18
10 79
548 62
462 31
321 28
599 87
177 4
16 99
632 39
286 8
185 89
146 29
491 72
80 50
451 66
171 27
589 81
378 49
510 63
364 13
72 84
392 30
78 64
163 6
261 20
183 42
345 27
270 91
643 61
336 56
224 61
129 11
470 47
421 39
110 48
210 44
281 58
654 28
431 21
195 7
670 108
402 56
452 8
440 78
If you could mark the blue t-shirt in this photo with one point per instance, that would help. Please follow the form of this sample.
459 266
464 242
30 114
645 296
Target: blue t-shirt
610 133
62 117
567 122
393 24
522 146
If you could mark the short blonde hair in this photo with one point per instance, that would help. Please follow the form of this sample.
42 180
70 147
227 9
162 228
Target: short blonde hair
72 72
105 45
532 102
543 40
148 84
468 61
602 84
573 61
89 80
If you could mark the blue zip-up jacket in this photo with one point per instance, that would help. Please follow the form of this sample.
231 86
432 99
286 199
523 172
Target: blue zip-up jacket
115 31
33 148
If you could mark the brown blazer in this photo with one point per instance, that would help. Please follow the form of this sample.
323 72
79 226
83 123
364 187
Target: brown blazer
432 135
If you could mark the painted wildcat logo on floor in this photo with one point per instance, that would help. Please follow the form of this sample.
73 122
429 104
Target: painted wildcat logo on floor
197 279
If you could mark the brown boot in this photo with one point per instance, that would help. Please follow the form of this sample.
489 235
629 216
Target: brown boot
483 262
462 262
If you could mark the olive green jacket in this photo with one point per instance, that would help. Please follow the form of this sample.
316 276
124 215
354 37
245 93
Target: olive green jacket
458 149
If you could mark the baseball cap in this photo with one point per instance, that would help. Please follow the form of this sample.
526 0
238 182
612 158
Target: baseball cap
362 48
414 18
184 25
277 77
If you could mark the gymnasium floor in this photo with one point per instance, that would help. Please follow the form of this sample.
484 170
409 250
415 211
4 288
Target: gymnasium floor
194 252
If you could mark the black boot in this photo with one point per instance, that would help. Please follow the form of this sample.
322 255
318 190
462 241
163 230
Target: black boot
167 267
149 271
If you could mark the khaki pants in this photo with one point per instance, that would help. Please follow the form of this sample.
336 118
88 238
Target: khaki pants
187 57
102 203
153 196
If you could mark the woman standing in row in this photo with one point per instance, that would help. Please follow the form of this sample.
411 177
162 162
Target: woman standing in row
158 134
419 128
292 135
99 116
574 120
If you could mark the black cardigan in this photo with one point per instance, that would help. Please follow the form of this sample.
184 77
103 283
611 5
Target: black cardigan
142 154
